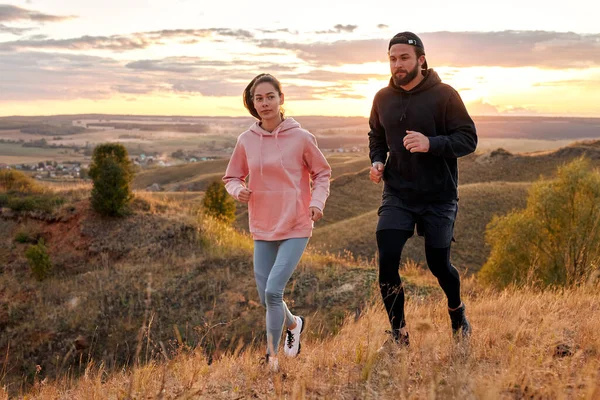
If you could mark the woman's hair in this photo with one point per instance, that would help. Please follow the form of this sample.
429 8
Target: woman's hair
249 92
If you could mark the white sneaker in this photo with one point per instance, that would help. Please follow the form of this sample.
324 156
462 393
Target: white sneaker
273 364
291 347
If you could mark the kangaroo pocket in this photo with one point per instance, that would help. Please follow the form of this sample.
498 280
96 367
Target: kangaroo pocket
272 211
430 174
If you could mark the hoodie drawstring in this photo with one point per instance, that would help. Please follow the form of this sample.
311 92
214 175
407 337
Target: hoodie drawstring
279 149
260 155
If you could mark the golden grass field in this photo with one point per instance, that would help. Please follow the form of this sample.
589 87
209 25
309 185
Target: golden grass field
526 344
162 304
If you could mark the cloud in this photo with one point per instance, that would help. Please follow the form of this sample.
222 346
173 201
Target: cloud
189 65
513 49
136 89
333 76
63 76
332 53
382 26
113 43
14 13
182 64
46 76
339 28
282 30
345 28
337 90
542 49
572 82
13 30
481 107
461 49
208 87
519 110
121 43
199 33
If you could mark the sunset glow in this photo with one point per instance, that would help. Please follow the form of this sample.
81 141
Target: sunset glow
66 57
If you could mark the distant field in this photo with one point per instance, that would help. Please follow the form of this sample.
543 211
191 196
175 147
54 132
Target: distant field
516 134
179 173
522 145
15 153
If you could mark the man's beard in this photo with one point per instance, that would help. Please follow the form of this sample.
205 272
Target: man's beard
412 74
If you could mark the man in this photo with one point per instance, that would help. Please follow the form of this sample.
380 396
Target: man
419 127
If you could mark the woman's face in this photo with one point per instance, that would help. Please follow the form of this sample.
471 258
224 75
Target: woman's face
267 100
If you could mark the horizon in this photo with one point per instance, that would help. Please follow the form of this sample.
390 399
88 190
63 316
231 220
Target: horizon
61 57
149 116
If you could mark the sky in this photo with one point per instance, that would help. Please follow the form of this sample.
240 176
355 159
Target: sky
194 57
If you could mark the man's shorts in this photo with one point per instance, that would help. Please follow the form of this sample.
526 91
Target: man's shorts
434 221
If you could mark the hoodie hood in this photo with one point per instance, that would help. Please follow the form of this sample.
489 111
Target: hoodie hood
284 127
430 80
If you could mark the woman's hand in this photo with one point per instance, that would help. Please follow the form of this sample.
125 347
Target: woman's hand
315 213
244 195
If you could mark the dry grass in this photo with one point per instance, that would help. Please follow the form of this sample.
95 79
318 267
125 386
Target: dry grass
526 344
201 283
478 204
178 173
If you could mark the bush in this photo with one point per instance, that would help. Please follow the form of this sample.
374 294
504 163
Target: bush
218 203
39 260
40 202
19 192
555 241
112 173
16 181
22 237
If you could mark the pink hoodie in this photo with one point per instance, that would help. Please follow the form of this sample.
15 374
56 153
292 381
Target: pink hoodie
281 164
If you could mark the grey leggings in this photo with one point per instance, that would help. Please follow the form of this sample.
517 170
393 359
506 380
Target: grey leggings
274 263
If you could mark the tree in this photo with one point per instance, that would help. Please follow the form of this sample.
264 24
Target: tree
218 203
112 173
178 154
555 241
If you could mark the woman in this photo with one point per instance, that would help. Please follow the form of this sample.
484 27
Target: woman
281 159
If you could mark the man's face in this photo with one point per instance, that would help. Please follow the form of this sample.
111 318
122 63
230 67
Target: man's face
404 64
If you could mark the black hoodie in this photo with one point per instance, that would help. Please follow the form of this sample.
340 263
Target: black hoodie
435 110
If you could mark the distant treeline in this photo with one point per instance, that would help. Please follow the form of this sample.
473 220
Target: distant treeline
41 129
191 128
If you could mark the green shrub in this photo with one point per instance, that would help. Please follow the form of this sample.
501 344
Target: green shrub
22 237
17 181
111 171
42 202
218 203
555 241
39 260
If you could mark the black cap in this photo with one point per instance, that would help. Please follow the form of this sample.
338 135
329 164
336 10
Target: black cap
408 38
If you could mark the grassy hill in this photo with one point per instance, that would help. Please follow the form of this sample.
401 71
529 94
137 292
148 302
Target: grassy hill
479 202
179 174
491 183
163 303
525 345
130 289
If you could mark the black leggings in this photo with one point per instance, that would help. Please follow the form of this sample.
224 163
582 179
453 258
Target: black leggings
390 243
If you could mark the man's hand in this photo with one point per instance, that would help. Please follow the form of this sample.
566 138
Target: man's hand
315 213
244 195
376 172
416 142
